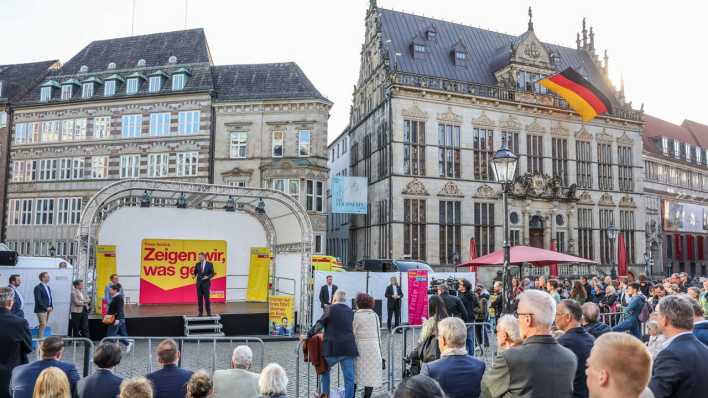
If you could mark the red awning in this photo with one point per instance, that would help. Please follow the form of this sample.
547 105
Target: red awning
527 254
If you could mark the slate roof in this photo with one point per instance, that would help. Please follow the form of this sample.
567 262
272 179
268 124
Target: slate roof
18 78
263 81
486 50
688 132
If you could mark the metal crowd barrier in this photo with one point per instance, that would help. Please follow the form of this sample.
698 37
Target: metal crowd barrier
484 350
312 387
70 352
196 352
611 319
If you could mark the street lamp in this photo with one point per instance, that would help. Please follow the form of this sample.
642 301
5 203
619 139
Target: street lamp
611 235
504 166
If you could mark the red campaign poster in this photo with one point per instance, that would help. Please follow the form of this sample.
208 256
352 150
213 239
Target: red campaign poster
417 296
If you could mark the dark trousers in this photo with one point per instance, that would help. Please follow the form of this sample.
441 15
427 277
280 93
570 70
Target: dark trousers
78 324
120 330
203 297
394 314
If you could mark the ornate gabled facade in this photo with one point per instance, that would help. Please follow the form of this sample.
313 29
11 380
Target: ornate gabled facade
155 106
435 100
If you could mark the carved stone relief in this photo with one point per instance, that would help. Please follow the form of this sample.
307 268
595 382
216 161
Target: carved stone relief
627 201
535 127
415 187
450 117
450 189
559 129
583 134
585 198
606 200
414 112
486 192
624 139
603 137
510 123
483 121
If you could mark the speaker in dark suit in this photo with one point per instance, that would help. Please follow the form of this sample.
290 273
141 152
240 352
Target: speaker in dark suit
327 292
18 304
203 272
393 295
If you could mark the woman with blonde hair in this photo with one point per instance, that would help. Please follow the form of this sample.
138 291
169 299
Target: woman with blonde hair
52 383
138 387
200 385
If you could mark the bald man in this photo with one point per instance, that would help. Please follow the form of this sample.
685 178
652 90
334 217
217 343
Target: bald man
619 366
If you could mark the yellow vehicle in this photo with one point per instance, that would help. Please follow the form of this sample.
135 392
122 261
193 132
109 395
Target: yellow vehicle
326 263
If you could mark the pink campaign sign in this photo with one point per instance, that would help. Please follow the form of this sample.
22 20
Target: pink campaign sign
417 296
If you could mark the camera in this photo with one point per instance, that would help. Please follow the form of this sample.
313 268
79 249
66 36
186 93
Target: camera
450 282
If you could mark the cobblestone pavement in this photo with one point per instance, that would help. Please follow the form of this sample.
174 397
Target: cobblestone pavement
210 356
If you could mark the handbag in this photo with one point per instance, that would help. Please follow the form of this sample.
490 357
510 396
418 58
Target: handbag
428 350
108 319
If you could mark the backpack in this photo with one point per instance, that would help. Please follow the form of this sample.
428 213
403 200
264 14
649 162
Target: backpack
646 311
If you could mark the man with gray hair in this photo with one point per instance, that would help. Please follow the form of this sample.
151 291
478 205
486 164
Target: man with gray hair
681 367
540 367
458 373
591 312
508 334
15 340
238 381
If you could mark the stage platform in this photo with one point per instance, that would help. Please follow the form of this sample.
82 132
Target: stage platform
238 319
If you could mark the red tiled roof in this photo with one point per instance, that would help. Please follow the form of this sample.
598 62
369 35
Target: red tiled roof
698 131
655 128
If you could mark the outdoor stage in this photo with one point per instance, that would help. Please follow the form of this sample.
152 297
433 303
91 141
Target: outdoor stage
237 318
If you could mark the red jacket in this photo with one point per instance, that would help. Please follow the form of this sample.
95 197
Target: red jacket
312 350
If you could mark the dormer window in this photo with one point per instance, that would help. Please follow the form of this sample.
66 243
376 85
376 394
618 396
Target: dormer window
132 84
87 90
460 55
67 91
665 145
45 94
155 81
677 149
688 152
110 85
179 79
419 48
431 34
699 152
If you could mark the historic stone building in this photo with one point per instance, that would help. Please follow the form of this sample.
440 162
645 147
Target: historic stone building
338 223
15 81
271 131
142 107
676 195
435 100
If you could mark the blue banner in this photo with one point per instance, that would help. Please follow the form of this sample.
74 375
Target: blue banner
349 195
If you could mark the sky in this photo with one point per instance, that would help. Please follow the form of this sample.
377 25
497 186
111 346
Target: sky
655 45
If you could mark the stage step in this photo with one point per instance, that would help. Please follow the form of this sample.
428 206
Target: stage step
203 326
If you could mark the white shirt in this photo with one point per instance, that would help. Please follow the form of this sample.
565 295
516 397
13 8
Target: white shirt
670 340
700 322
329 292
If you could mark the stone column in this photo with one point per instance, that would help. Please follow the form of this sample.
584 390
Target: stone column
547 228
572 233
525 226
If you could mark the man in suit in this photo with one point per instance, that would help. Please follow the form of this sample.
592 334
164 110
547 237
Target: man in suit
631 312
619 366
680 369
203 272
393 296
15 340
51 352
43 303
170 381
103 383
78 324
591 312
452 303
540 367
700 324
459 374
327 292
19 301
239 378
575 338
339 345
117 309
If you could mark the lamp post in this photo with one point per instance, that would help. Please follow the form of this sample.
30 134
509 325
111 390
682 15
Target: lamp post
504 165
611 235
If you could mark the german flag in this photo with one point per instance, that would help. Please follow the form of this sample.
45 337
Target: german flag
580 94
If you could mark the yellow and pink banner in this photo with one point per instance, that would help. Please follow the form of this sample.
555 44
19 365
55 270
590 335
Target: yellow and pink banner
417 296
167 265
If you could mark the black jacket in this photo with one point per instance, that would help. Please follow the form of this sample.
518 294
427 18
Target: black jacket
200 273
392 302
454 306
596 329
469 300
103 383
116 307
17 304
339 340
42 300
580 342
681 369
324 295
170 381
15 344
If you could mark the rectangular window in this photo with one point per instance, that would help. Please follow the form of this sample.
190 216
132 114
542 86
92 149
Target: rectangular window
71 168
102 127
511 139
99 167
178 81
160 123
699 154
129 166
277 144
157 164
559 155
131 125
132 86
604 166
626 227
67 91
3 119
79 129
414 147
289 186
514 237
87 90
21 133
484 227
19 172
687 149
677 149
448 150
44 212
585 233
303 143
583 164
50 131
187 164
534 150
45 94
239 144
48 169
314 195
483 148
68 211
450 232
20 211
188 122
560 241
607 218
67 130
414 225
155 84
109 88
624 168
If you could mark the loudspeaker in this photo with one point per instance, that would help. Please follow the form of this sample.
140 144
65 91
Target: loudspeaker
8 257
